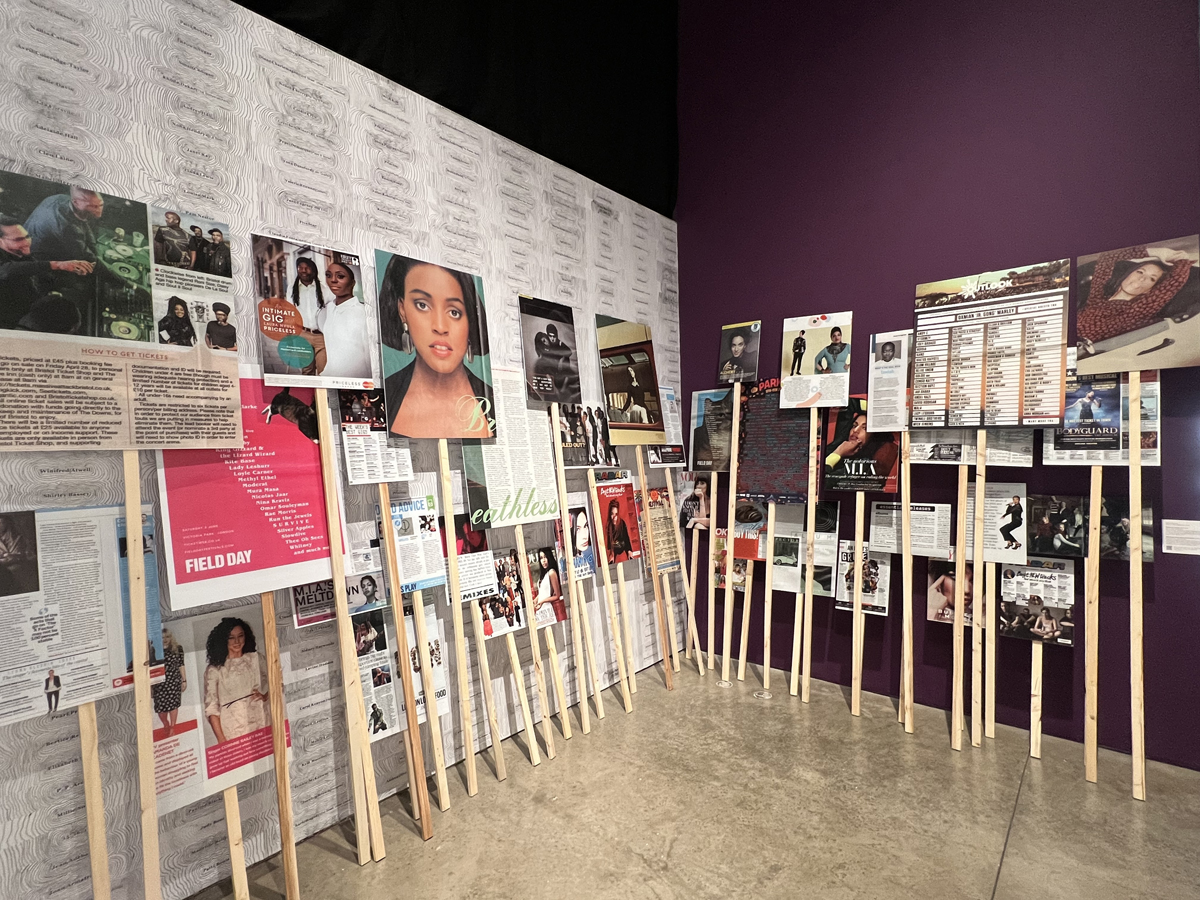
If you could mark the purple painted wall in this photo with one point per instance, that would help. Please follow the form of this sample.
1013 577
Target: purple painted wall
833 156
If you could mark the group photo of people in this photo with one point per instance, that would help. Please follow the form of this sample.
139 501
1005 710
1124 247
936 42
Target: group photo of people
186 241
1032 620
362 408
504 611
585 437
1058 525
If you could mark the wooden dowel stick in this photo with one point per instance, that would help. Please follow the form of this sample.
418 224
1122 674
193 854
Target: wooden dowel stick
727 637
744 638
1137 709
1091 629
960 585
356 725
1035 701
420 641
660 606
283 781
147 798
539 675
93 794
810 549
579 625
626 616
860 499
433 717
689 580
712 569
601 547
906 582
989 683
589 646
514 660
693 573
560 687
979 613
237 852
453 593
412 777
672 632
768 595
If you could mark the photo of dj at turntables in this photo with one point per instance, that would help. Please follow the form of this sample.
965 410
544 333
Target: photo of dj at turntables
73 260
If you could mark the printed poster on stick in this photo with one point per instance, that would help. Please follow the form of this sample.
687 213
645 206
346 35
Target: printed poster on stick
267 529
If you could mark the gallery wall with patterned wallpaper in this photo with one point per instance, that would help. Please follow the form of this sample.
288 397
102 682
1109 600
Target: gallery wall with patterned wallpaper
208 108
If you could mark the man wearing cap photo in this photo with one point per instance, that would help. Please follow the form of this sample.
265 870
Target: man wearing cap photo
220 335
215 259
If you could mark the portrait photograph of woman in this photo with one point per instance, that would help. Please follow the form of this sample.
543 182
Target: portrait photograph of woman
1137 307
235 682
436 369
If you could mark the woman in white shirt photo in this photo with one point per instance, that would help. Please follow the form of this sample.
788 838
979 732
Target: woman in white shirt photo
344 326
235 681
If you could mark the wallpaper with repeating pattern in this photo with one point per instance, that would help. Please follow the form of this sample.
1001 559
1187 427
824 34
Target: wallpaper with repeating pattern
209 108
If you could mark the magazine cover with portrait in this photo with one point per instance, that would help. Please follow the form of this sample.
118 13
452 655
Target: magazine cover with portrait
855 459
437 374
693 496
739 352
583 548
212 711
315 321
630 380
549 599
620 528
549 351
1136 307
815 369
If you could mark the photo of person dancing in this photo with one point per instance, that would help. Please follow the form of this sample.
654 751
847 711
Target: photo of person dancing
616 534
1015 515
799 345
53 685
435 315
168 693
235 681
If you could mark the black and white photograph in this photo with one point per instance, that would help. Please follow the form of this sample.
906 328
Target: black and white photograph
549 351
18 554
586 439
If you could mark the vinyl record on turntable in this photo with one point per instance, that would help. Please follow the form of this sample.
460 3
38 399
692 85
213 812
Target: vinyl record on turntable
128 271
126 330
826 517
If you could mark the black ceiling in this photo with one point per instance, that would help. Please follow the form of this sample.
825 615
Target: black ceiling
589 85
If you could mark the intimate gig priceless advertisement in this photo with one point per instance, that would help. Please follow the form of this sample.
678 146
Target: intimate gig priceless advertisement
244 521
125 308
316 323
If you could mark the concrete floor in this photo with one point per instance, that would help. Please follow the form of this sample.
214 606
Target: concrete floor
712 793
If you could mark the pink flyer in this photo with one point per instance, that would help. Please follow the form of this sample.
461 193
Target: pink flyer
267 529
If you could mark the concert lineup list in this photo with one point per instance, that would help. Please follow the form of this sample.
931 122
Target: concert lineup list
990 349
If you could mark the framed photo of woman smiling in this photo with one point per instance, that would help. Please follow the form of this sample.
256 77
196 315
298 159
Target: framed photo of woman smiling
436 369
